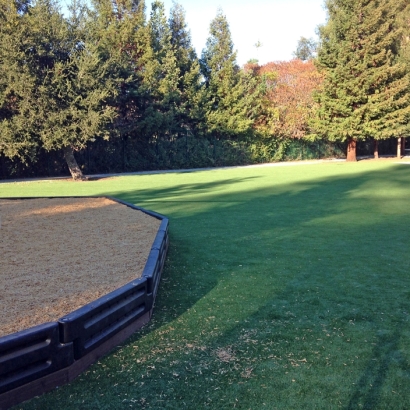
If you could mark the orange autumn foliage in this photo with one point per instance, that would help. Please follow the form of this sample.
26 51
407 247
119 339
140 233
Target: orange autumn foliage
290 96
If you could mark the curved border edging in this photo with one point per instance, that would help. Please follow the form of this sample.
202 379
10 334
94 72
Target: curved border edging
36 360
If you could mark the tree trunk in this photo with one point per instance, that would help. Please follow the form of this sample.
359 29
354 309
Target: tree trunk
75 170
376 149
351 150
399 147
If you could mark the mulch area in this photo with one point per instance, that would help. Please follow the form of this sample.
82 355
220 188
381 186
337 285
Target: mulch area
59 254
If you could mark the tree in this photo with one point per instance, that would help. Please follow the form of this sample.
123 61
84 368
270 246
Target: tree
123 37
366 87
228 102
257 45
189 114
306 49
291 88
17 81
404 57
58 103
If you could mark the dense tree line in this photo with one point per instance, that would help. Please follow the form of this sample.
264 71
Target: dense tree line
109 70
116 71
363 57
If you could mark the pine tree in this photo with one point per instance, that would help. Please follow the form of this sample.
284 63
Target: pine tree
229 106
403 20
181 39
120 29
167 74
145 71
366 87
189 113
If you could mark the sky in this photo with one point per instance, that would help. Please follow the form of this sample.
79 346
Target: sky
276 24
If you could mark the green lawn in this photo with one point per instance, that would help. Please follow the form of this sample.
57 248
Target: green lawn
284 288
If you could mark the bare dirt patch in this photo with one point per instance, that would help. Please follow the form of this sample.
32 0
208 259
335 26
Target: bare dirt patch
59 254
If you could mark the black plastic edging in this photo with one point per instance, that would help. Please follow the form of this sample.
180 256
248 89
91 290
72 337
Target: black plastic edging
93 324
151 271
156 258
40 351
32 353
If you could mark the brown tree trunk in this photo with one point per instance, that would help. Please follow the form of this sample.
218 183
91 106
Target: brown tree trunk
376 149
399 147
75 170
351 150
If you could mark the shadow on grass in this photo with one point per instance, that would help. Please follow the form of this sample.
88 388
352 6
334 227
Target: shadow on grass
180 190
284 295
370 386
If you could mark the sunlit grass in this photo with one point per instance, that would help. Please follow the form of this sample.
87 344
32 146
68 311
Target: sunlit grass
285 288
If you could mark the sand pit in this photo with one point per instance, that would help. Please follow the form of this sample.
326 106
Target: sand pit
58 254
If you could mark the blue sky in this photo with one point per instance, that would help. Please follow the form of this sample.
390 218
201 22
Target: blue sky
276 24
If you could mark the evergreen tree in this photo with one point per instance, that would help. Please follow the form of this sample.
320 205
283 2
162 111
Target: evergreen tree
189 114
61 103
146 72
121 31
228 104
181 39
166 92
404 24
366 88
17 81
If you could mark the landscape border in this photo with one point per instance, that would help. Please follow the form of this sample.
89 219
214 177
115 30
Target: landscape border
36 360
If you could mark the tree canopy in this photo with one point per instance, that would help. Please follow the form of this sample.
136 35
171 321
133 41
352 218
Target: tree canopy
292 87
109 71
306 49
231 94
54 83
125 75
365 93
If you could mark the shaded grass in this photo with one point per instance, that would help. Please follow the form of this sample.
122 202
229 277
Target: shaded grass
284 288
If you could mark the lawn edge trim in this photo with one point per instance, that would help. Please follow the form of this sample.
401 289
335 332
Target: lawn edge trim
39 359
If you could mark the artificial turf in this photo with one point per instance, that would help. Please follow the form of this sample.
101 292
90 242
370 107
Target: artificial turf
284 288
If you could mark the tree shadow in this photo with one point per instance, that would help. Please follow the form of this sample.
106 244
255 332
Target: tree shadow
259 211
175 191
266 285
369 387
